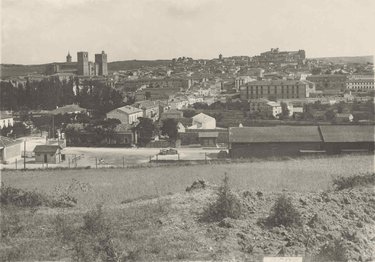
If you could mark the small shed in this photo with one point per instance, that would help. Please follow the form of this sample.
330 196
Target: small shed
208 138
50 154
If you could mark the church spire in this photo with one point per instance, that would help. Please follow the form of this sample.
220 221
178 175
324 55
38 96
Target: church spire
68 58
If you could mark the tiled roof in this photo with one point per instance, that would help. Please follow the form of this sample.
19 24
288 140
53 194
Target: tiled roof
5 141
275 82
129 109
202 117
342 133
46 148
274 134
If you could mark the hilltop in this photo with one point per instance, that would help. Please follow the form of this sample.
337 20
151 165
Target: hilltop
348 59
8 70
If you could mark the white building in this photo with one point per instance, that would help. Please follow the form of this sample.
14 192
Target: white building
203 121
5 121
126 114
362 85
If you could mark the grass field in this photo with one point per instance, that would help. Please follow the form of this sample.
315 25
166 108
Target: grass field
111 186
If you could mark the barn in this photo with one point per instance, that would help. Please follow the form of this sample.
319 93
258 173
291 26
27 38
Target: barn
347 138
246 142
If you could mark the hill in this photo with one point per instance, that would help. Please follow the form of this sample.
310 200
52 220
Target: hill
348 59
10 70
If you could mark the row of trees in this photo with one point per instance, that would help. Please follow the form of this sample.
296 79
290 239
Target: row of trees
48 94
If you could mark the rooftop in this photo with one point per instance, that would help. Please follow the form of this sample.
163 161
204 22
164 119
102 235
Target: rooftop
5 141
274 134
202 117
128 109
348 133
46 148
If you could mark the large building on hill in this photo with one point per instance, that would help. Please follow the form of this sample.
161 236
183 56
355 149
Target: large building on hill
275 56
276 89
83 67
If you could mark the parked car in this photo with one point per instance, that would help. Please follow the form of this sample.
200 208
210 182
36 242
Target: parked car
169 151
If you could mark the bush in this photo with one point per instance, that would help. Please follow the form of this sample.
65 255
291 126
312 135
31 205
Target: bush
10 222
284 213
227 204
92 241
22 198
332 251
341 183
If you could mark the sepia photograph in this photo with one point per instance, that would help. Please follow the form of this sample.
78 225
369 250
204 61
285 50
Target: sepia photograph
187 130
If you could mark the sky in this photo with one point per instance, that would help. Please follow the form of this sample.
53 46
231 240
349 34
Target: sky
43 31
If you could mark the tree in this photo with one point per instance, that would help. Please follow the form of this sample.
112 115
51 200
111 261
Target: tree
169 128
330 115
284 110
145 130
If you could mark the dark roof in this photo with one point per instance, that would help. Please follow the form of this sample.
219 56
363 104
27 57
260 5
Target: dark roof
274 83
274 134
46 148
5 142
347 133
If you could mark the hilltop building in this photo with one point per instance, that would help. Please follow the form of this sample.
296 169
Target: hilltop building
274 56
83 67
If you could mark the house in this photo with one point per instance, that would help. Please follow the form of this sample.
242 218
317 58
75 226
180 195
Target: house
150 108
268 108
126 114
203 121
347 138
245 142
10 149
49 154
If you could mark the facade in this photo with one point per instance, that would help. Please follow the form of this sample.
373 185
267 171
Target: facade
203 121
268 108
277 89
49 154
101 61
10 150
360 85
126 114
176 114
328 83
208 139
6 121
245 142
83 63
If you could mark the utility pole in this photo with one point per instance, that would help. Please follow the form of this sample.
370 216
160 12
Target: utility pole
123 162
24 154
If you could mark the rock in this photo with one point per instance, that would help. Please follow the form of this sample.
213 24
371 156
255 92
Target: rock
197 184
226 223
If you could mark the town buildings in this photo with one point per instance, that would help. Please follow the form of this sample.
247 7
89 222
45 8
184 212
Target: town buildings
329 83
274 56
49 154
268 108
203 121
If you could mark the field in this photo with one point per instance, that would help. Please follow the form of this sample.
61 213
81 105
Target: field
111 186
146 215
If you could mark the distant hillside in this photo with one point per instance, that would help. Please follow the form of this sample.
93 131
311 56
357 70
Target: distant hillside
348 59
21 70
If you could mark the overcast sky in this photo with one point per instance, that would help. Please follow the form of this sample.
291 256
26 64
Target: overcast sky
41 31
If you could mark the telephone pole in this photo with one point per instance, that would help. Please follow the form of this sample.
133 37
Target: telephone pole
24 154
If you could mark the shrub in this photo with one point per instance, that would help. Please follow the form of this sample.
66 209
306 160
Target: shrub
284 213
332 251
92 241
10 222
227 204
22 198
341 183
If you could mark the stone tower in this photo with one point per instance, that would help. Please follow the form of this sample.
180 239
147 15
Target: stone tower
83 63
101 60
68 58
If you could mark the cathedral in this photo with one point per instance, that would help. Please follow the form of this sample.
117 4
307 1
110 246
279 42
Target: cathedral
83 67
